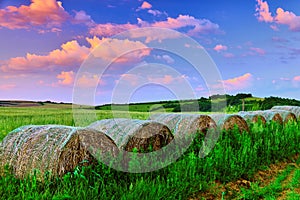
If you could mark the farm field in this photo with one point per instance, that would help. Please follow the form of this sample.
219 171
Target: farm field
261 164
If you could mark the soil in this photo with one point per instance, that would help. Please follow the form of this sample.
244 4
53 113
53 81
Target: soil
232 189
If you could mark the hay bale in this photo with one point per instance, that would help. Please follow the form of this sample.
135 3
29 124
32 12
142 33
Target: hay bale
51 148
287 116
228 122
133 133
293 109
186 123
252 117
270 115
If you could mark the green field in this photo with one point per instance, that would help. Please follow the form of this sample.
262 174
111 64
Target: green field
235 157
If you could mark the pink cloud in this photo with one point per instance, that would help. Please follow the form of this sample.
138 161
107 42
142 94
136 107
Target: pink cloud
274 27
89 81
110 29
166 58
166 79
7 86
238 83
156 12
42 13
82 18
288 18
282 17
200 88
132 79
258 50
86 80
146 5
66 78
296 78
70 54
262 12
113 49
220 47
198 26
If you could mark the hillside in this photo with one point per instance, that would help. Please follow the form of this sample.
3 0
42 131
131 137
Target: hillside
234 104
20 103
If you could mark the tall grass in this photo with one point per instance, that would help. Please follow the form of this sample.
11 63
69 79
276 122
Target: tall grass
235 155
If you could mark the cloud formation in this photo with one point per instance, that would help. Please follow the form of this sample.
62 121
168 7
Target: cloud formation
296 78
282 17
82 18
238 83
220 47
192 26
66 78
41 13
262 12
146 5
109 29
72 54
7 86
199 26
257 50
134 79
115 49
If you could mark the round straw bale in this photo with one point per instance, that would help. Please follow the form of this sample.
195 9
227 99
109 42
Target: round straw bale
176 122
252 117
270 115
129 134
287 116
293 109
50 149
228 122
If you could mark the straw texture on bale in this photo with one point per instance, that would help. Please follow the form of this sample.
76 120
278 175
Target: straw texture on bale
252 117
293 109
228 122
270 115
287 116
186 123
51 149
129 134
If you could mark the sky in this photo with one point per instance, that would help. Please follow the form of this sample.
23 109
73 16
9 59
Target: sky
45 44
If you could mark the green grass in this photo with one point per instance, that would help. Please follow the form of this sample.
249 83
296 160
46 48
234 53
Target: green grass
234 156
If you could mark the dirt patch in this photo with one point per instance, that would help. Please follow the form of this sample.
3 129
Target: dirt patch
232 189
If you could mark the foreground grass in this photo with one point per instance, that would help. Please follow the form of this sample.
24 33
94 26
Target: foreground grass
234 156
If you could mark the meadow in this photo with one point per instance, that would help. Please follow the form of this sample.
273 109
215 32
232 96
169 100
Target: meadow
229 171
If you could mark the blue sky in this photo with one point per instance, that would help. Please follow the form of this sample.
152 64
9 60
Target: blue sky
255 45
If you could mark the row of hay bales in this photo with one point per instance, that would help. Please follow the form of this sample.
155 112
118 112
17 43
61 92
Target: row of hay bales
59 149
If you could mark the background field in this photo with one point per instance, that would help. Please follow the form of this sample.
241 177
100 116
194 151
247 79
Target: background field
262 164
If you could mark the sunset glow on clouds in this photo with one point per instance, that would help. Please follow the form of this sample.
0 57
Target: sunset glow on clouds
238 83
45 42
281 17
220 47
49 13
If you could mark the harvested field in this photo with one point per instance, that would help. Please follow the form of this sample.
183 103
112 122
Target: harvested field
52 148
228 122
144 135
